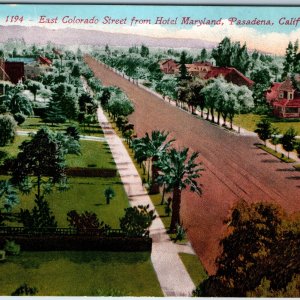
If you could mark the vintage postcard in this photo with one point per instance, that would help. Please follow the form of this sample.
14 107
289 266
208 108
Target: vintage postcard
149 150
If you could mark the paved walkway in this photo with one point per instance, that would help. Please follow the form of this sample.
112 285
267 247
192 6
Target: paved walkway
171 273
82 137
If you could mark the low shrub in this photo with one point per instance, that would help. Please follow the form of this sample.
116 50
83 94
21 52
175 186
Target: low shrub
11 248
25 290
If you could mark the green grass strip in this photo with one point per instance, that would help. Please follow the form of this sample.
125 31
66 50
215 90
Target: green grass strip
281 156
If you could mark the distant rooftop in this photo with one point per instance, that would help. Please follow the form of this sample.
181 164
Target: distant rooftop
25 60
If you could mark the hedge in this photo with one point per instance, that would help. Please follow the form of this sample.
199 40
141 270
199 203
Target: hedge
77 172
91 172
79 243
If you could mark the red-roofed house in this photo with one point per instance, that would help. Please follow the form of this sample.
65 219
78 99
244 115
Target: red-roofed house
230 75
168 66
284 99
44 61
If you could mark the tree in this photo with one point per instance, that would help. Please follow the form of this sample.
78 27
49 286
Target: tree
41 216
179 172
261 243
41 158
109 193
289 61
136 221
8 196
167 87
16 102
264 130
54 113
64 95
262 81
120 105
144 51
153 146
183 73
275 138
34 87
8 128
203 55
288 140
229 54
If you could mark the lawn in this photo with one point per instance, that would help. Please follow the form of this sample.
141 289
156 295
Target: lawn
79 273
93 153
36 123
194 267
85 194
13 149
249 121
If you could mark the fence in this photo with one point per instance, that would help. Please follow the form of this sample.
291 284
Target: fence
67 239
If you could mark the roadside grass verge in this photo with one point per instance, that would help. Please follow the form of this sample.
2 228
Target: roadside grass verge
194 267
32 123
297 167
77 273
281 156
249 121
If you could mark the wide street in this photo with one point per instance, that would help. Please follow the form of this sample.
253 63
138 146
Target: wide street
234 167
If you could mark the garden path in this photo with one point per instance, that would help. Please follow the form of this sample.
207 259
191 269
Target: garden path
172 275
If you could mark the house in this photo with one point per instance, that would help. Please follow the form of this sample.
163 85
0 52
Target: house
199 69
284 99
15 71
35 69
230 75
169 66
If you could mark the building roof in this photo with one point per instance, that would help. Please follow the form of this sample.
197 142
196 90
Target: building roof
203 63
273 91
25 60
226 72
45 60
287 103
287 85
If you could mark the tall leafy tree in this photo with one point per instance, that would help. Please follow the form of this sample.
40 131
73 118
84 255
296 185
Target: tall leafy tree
262 81
264 130
8 128
261 243
183 73
144 51
229 54
288 63
40 163
288 140
34 87
203 55
67 99
179 171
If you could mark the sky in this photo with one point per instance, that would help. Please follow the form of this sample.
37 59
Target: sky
271 38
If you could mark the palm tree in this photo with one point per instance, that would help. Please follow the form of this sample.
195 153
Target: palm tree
152 147
179 172
109 193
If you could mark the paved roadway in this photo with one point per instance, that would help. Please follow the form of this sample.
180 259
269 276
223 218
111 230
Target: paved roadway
234 168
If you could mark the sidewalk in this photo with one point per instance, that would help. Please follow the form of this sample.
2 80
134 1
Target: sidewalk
82 137
171 273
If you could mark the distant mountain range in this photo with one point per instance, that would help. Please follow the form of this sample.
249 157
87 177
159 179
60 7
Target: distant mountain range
71 36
